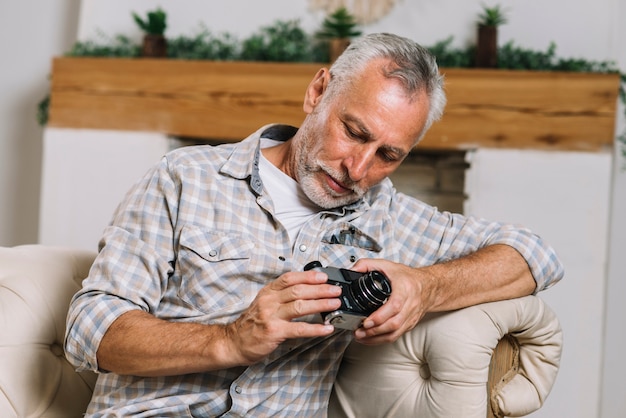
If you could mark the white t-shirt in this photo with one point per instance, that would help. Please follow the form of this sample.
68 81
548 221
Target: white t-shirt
293 208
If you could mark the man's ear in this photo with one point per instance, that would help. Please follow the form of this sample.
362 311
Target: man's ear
316 89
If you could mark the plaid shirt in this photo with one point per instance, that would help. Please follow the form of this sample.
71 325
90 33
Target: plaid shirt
195 240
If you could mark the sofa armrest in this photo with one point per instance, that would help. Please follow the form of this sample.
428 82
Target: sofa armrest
36 285
441 368
535 335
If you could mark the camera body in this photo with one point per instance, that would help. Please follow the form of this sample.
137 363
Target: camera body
361 294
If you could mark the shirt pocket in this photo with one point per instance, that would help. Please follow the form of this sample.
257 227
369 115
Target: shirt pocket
343 245
213 268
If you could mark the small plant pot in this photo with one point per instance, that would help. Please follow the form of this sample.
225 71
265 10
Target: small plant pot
154 46
336 47
487 47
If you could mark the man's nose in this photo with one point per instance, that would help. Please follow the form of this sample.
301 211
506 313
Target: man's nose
358 164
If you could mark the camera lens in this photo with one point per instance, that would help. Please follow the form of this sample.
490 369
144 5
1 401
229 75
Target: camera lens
370 291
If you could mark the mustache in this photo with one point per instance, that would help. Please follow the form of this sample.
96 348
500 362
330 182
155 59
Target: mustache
342 178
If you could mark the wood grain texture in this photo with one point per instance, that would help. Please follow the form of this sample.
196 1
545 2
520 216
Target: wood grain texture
527 109
230 100
503 367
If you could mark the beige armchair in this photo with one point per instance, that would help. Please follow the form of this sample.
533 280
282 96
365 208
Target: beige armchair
36 285
440 369
446 366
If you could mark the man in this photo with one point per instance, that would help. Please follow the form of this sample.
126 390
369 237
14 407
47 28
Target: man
198 305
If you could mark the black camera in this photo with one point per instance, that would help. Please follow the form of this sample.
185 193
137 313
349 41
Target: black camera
361 294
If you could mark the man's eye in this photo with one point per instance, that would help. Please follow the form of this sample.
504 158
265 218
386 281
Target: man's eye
351 133
388 157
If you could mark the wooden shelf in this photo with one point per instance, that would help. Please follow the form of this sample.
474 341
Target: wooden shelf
229 100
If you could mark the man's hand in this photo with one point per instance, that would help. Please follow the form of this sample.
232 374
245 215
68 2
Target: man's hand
411 297
269 319
492 273
137 343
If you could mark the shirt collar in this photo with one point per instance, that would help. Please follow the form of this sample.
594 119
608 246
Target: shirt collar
243 162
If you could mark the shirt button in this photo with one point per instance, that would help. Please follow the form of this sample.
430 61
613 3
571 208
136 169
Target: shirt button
212 253
302 248
238 389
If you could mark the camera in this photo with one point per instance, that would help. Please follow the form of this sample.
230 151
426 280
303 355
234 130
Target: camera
361 294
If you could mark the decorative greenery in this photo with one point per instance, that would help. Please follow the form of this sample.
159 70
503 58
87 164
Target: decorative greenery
287 41
204 46
283 41
492 16
340 24
120 46
42 110
448 56
154 24
513 57
622 138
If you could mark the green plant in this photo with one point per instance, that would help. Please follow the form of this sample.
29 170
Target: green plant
513 57
622 138
448 56
43 108
339 24
154 24
204 46
492 16
282 41
119 46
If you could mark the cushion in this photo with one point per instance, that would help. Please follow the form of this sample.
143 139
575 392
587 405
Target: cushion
36 285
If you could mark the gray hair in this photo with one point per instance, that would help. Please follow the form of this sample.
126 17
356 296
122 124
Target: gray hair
415 67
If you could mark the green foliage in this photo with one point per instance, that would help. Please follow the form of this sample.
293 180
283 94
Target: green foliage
513 57
516 58
450 57
204 46
622 138
120 46
154 24
283 41
339 24
492 16
42 110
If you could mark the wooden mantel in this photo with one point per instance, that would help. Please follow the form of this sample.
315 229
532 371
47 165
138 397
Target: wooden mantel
229 100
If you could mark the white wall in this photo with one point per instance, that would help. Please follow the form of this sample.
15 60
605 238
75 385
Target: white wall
32 32
85 175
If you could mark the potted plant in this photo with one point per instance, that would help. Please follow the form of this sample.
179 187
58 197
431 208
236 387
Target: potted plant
153 26
487 44
338 28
